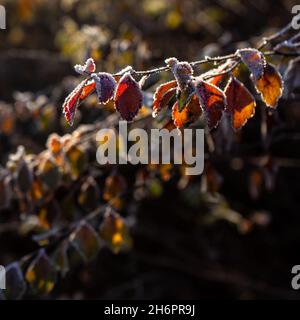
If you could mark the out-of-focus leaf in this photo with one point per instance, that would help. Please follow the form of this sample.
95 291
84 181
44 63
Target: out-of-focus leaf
15 283
78 160
24 177
60 258
292 78
49 173
115 185
86 241
115 232
89 196
41 274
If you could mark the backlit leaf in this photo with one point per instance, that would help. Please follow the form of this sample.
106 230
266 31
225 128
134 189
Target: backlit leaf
189 114
212 101
73 100
270 86
163 95
240 103
128 97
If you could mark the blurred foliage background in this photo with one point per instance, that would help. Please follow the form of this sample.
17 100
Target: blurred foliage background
231 233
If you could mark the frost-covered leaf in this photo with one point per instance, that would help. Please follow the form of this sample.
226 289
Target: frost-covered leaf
105 86
128 97
163 94
254 60
190 113
212 101
270 86
240 103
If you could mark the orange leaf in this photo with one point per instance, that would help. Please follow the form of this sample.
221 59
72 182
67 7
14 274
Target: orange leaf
270 86
188 115
212 101
160 98
240 103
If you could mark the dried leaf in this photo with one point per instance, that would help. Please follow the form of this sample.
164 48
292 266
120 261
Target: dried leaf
240 103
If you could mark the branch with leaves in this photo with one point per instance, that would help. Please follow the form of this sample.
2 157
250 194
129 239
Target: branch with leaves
213 93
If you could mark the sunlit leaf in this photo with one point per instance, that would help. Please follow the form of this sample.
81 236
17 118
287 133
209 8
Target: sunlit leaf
240 103
270 86
128 97
189 114
41 274
212 101
73 100
86 241
163 95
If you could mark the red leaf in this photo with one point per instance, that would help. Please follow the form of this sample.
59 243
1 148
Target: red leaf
188 115
128 97
240 103
212 101
73 100
159 96
162 96
254 60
